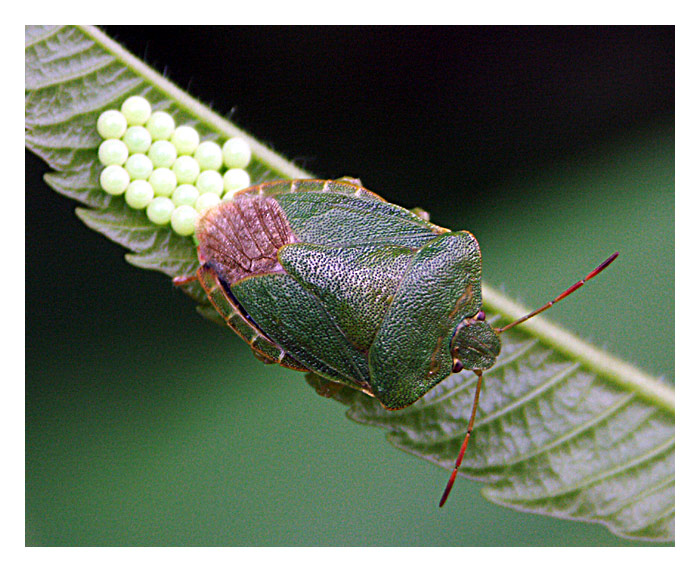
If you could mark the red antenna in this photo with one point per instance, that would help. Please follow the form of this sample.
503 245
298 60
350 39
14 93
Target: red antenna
564 294
462 450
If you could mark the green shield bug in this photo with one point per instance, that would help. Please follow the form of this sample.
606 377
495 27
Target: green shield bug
328 277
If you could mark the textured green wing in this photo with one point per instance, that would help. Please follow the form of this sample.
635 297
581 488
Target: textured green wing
339 213
335 219
298 322
411 352
354 284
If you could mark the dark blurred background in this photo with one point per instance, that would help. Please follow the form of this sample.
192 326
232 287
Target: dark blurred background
149 425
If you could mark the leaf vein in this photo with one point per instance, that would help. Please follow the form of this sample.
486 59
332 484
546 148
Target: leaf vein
638 460
42 37
116 95
648 491
78 74
575 431
536 391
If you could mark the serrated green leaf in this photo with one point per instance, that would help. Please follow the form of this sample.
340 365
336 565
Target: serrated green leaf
563 429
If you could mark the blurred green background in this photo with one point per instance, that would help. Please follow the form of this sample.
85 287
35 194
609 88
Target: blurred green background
148 425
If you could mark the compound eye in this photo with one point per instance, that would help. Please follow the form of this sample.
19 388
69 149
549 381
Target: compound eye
457 366
481 316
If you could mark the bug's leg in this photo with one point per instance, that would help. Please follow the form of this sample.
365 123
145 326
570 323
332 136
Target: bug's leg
351 180
458 462
182 280
422 213
324 387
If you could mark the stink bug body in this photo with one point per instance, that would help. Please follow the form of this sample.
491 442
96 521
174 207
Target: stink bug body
328 277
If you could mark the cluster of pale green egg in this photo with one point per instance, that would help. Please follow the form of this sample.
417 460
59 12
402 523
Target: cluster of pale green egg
164 168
